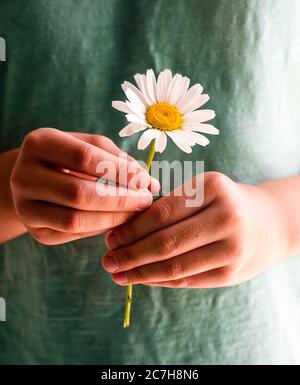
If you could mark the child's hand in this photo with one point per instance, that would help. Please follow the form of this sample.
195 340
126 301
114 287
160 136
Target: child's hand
236 234
53 186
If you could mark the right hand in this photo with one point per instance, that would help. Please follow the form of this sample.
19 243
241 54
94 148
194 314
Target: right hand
53 186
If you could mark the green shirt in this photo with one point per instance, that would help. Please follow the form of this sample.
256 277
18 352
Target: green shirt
65 63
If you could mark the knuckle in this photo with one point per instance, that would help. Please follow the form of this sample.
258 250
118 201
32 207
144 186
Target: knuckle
175 269
231 215
42 235
166 245
33 139
219 183
236 249
227 276
73 223
16 181
129 260
30 141
128 232
76 194
19 183
136 275
161 212
101 141
235 216
83 156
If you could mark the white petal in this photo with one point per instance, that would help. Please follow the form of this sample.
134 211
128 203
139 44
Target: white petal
135 104
160 86
191 98
187 138
126 85
136 119
121 106
179 140
134 99
166 78
161 142
137 78
179 90
147 137
151 85
135 109
199 116
197 138
131 129
141 81
197 103
172 87
196 89
199 127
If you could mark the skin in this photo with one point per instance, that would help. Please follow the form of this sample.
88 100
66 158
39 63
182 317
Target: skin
237 233
48 187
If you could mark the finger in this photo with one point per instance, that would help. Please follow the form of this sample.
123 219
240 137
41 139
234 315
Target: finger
185 265
38 214
209 280
52 237
53 186
163 213
201 229
102 142
64 150
109 146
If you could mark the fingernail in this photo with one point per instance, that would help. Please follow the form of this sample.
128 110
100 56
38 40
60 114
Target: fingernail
110 263
120 278
112 240
143 179
132 159
145 199
154 186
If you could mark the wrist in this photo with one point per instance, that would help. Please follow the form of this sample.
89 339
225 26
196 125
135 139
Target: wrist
269 217
278 216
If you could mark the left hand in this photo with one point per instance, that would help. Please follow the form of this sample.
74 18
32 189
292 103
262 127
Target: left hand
237 233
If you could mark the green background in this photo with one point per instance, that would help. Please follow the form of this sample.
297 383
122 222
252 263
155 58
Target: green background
65 62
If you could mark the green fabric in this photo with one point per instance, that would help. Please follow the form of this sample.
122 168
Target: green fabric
65 62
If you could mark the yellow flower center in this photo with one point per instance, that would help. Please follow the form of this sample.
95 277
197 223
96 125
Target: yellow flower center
164 116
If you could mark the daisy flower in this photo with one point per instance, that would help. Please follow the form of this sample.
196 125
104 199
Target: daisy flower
166 107
161 108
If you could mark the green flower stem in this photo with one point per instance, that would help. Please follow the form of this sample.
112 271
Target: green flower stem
128 301
150 155
127 310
